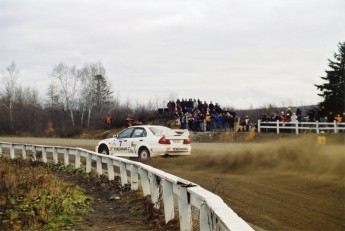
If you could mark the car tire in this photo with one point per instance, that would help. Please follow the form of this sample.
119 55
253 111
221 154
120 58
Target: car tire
144 153
104 151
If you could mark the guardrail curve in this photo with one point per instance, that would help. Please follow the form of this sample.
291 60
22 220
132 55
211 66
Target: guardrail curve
214 214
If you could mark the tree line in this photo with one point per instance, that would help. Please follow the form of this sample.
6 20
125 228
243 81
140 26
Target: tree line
79 98
76 98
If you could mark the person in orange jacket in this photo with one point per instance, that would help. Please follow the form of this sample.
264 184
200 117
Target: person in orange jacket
108 121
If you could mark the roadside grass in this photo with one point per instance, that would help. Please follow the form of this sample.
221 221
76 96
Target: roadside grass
33 199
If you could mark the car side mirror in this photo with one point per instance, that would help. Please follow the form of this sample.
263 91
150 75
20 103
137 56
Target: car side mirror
115 136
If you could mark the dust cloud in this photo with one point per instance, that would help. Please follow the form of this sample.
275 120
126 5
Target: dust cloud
287 156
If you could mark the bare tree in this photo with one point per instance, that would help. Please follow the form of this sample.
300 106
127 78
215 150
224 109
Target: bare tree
68 83
10 76
27 96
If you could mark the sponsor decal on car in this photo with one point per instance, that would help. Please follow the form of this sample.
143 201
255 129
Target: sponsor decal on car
120 149
180 149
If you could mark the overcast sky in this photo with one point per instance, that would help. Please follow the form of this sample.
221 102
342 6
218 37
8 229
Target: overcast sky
239 53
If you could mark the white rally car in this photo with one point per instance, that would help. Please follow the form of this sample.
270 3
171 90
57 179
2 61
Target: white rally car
146 141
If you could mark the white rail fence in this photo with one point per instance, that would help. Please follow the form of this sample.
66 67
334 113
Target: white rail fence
214 214
297 127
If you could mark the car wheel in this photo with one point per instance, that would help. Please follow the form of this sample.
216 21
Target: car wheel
144 153
104 151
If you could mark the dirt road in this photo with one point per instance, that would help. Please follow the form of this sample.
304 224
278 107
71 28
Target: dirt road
281 185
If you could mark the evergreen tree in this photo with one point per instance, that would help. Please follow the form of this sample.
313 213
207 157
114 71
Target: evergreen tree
333 90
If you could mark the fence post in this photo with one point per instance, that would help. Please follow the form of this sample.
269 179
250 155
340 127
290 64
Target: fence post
144 181
317 127
77 159
23 151
335 127
55 156
296 124
44 154
88 162
66 157
123 174
12 151
184 209
154 187
110 168
0 149
259 125
134 177
277 126
168 200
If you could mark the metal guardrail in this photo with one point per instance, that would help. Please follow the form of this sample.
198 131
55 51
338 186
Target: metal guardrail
298 126
214 214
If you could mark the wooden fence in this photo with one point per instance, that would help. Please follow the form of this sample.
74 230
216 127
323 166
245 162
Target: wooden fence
213 213
297 127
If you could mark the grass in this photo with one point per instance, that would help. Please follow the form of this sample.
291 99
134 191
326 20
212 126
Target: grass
33 199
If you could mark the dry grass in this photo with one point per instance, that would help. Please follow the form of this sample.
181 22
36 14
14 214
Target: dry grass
31 198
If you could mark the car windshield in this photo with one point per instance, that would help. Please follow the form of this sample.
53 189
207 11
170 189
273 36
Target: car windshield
161 131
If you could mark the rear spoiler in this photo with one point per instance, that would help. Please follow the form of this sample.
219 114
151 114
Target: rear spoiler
181 132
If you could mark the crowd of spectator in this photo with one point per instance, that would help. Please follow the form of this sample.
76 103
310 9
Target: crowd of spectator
197 115
313 114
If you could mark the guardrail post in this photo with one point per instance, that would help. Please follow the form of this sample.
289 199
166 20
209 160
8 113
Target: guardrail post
66 157
110 167
277 126
134 177
23 151
0 150
33 150
317 127
123 173
44 154
145 181
77 159
55 156
184 209
206 221
259 125
168 200
88 162
99 165
154 187
12 151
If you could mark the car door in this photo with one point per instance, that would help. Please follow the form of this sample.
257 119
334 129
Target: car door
123 142
134 142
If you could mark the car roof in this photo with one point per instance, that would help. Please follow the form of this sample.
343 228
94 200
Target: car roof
149 126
